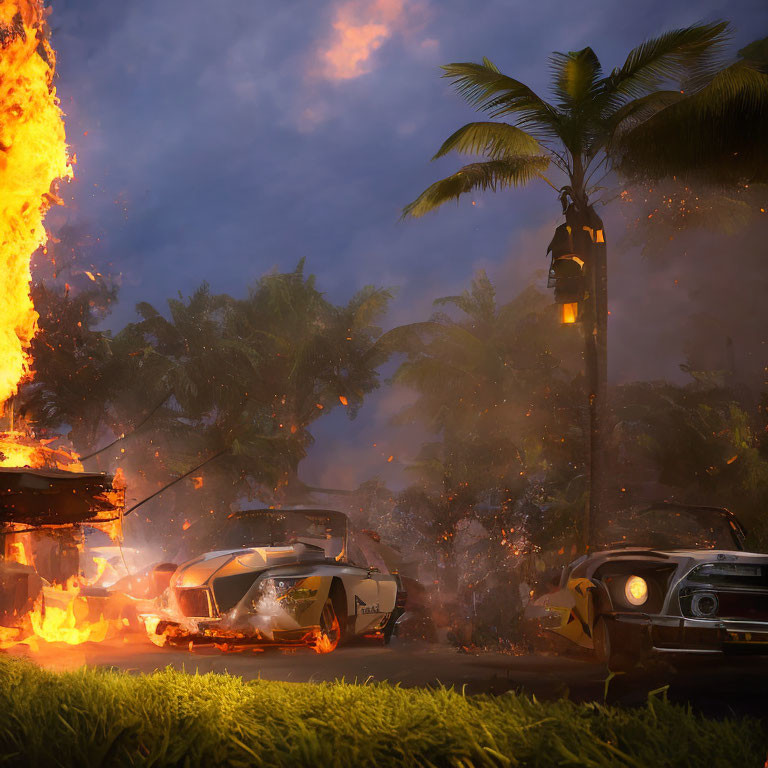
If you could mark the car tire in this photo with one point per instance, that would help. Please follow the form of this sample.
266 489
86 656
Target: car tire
389 627
329 623
606 650
335 609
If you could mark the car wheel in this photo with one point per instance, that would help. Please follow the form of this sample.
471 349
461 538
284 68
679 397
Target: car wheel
389 627
606 650
330 629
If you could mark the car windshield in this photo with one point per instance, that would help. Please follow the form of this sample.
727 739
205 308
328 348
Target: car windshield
668 527
276 528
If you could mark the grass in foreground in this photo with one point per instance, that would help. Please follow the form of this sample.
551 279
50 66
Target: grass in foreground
98 718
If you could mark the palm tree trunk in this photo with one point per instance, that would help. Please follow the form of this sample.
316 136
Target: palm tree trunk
589 241
598 383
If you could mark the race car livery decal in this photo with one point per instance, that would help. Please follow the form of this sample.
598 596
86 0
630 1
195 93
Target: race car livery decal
362 607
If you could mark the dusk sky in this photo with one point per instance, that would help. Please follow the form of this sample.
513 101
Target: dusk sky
218 140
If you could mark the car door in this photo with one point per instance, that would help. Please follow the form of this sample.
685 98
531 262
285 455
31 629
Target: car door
367 602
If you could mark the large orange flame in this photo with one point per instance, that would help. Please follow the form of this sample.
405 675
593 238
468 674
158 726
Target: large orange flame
33 155
60 614
18 448
62 617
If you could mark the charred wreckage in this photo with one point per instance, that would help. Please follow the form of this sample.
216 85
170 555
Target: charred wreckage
666 579
44 515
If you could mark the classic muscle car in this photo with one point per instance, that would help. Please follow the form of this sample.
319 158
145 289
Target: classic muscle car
281 577
667 578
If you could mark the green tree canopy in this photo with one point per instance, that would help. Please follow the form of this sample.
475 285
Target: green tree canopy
239 379
717 133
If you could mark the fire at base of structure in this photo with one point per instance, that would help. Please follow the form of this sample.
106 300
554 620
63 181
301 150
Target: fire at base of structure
43 513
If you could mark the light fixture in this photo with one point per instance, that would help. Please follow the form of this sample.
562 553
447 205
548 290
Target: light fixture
704 605
636 590
569 313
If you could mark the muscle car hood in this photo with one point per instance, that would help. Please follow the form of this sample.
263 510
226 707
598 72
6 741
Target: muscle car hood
699 555
199 571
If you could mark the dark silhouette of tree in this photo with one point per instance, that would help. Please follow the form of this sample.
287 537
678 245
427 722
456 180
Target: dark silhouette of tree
724 124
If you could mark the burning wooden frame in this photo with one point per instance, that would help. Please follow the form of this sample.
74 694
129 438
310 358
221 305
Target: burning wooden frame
42 516
52 497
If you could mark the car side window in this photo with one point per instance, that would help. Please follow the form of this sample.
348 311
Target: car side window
354 553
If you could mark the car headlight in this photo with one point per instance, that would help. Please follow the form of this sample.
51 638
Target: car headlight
704 605
636 590
278 587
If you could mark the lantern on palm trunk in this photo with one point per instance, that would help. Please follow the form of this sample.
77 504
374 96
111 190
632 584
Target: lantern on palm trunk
566 275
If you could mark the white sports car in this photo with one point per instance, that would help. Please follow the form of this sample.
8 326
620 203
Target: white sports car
283 577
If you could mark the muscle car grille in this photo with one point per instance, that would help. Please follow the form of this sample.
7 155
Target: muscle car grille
194 602
729 574
742 605
749 605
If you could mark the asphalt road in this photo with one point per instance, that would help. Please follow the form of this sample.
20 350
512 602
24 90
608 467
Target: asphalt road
714 687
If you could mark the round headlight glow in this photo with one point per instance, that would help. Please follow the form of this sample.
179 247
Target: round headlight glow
636 590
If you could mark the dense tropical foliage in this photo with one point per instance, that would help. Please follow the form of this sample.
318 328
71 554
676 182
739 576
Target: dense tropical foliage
231 384
673 106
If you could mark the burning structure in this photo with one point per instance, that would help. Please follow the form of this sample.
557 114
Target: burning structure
45 497
43 516
34 156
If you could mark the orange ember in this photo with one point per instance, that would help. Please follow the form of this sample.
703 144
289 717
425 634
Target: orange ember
33 155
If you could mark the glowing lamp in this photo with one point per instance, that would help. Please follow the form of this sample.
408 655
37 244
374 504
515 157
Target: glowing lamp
566 275
569 313
636 590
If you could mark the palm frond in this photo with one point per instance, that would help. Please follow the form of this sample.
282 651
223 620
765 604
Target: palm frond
494 175
478 303
368 306
756 53
637 111
689 53
492 139
487 89
575 75
742 85
717 133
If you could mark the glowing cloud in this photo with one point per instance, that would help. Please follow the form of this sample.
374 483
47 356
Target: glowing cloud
360 27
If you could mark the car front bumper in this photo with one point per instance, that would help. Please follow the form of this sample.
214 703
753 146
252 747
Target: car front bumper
676 634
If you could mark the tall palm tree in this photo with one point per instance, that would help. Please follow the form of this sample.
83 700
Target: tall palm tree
581 135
